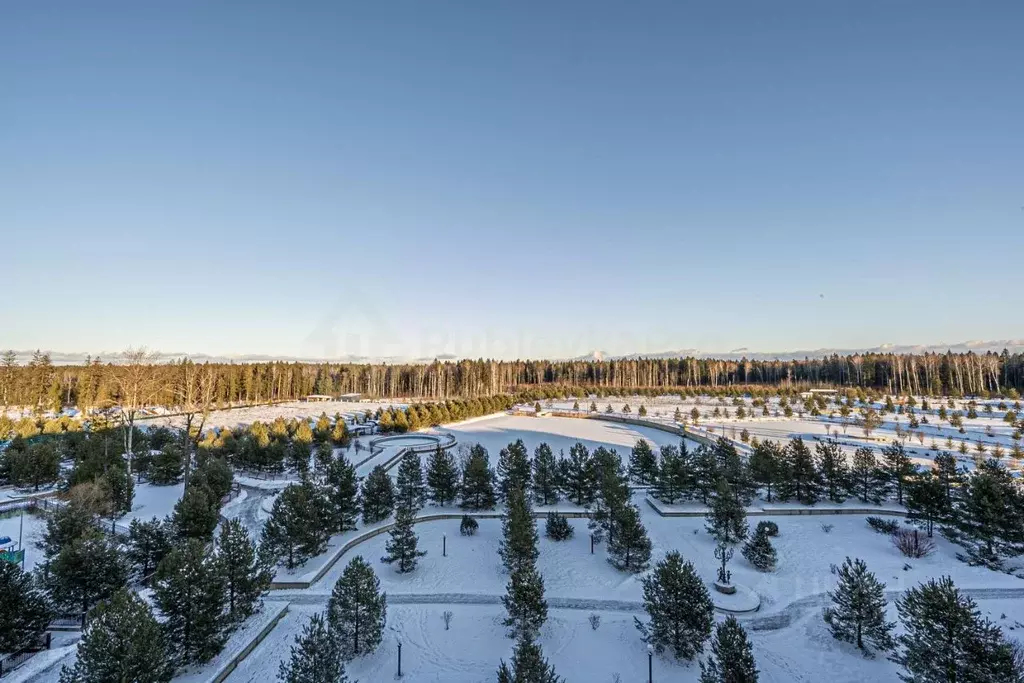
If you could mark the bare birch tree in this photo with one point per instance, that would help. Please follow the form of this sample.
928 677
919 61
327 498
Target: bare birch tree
137 386
194 397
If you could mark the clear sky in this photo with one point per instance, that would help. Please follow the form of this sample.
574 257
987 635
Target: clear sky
509 179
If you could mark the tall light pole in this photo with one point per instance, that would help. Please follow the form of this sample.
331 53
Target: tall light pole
399 659
650 664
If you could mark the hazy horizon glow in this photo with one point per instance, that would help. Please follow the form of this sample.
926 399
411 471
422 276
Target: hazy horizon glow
522 180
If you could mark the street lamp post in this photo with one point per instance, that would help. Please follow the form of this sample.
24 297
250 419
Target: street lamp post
399 659
650 664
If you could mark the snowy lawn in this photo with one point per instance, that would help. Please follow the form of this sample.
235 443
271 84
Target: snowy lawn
805 553
153 501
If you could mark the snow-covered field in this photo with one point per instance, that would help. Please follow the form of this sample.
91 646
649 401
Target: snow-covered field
268 413
153 501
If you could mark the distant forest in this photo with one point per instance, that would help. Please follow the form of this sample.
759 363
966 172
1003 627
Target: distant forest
98 383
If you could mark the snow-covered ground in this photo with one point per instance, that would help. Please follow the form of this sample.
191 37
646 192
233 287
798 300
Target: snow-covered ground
268 413
153 501
32 533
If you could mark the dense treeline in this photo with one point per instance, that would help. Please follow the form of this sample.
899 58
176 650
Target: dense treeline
95 384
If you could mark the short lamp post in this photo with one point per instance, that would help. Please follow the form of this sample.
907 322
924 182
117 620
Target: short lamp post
399 659
650 664
444 545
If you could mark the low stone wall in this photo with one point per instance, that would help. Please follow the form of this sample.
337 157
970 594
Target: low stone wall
769 511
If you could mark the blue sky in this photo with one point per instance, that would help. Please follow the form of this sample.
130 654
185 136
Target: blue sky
509 179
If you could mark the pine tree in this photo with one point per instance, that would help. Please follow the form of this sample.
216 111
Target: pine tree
315 656
378 496
190 592
897 467
926 499
945 638
759 552
121 642
705 472
478 481
524 602
986 516
857 613
611 491
148 543
513 469
765 464
949 475
298 525
195 515
342 491
577 481
732 656
410 491
799 478
727 519
629 548
246 571
528 665
680 609
730 466
442 478
401 548
25 611
545 480
357 610
867 481
643 463
832 470
85 571
518 545
557 528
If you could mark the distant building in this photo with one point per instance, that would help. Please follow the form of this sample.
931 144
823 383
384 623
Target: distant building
318 398
350 398
816 392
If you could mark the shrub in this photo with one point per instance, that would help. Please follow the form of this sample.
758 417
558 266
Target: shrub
768 528
468 526
595 621
760 553
558 527
911 543
827 528
883 526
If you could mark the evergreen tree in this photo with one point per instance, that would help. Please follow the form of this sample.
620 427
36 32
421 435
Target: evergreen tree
759 551
629 548
298 525
799 476
410 491
705 472
557 528
378 496
987 516
357 610
857 613
85 571
946 640
246 571
528 665
926 499
478 481
121 642
730 466
315 656
196 515
513 469
867 481
342 491
765 465
949 475
25 611
577 477
148 543
442 478
65 525
898 467
732 656
643 463
832 470
611 491
545 481
727 519
402 546
167 465
190 592
524 602
519 533
680 609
